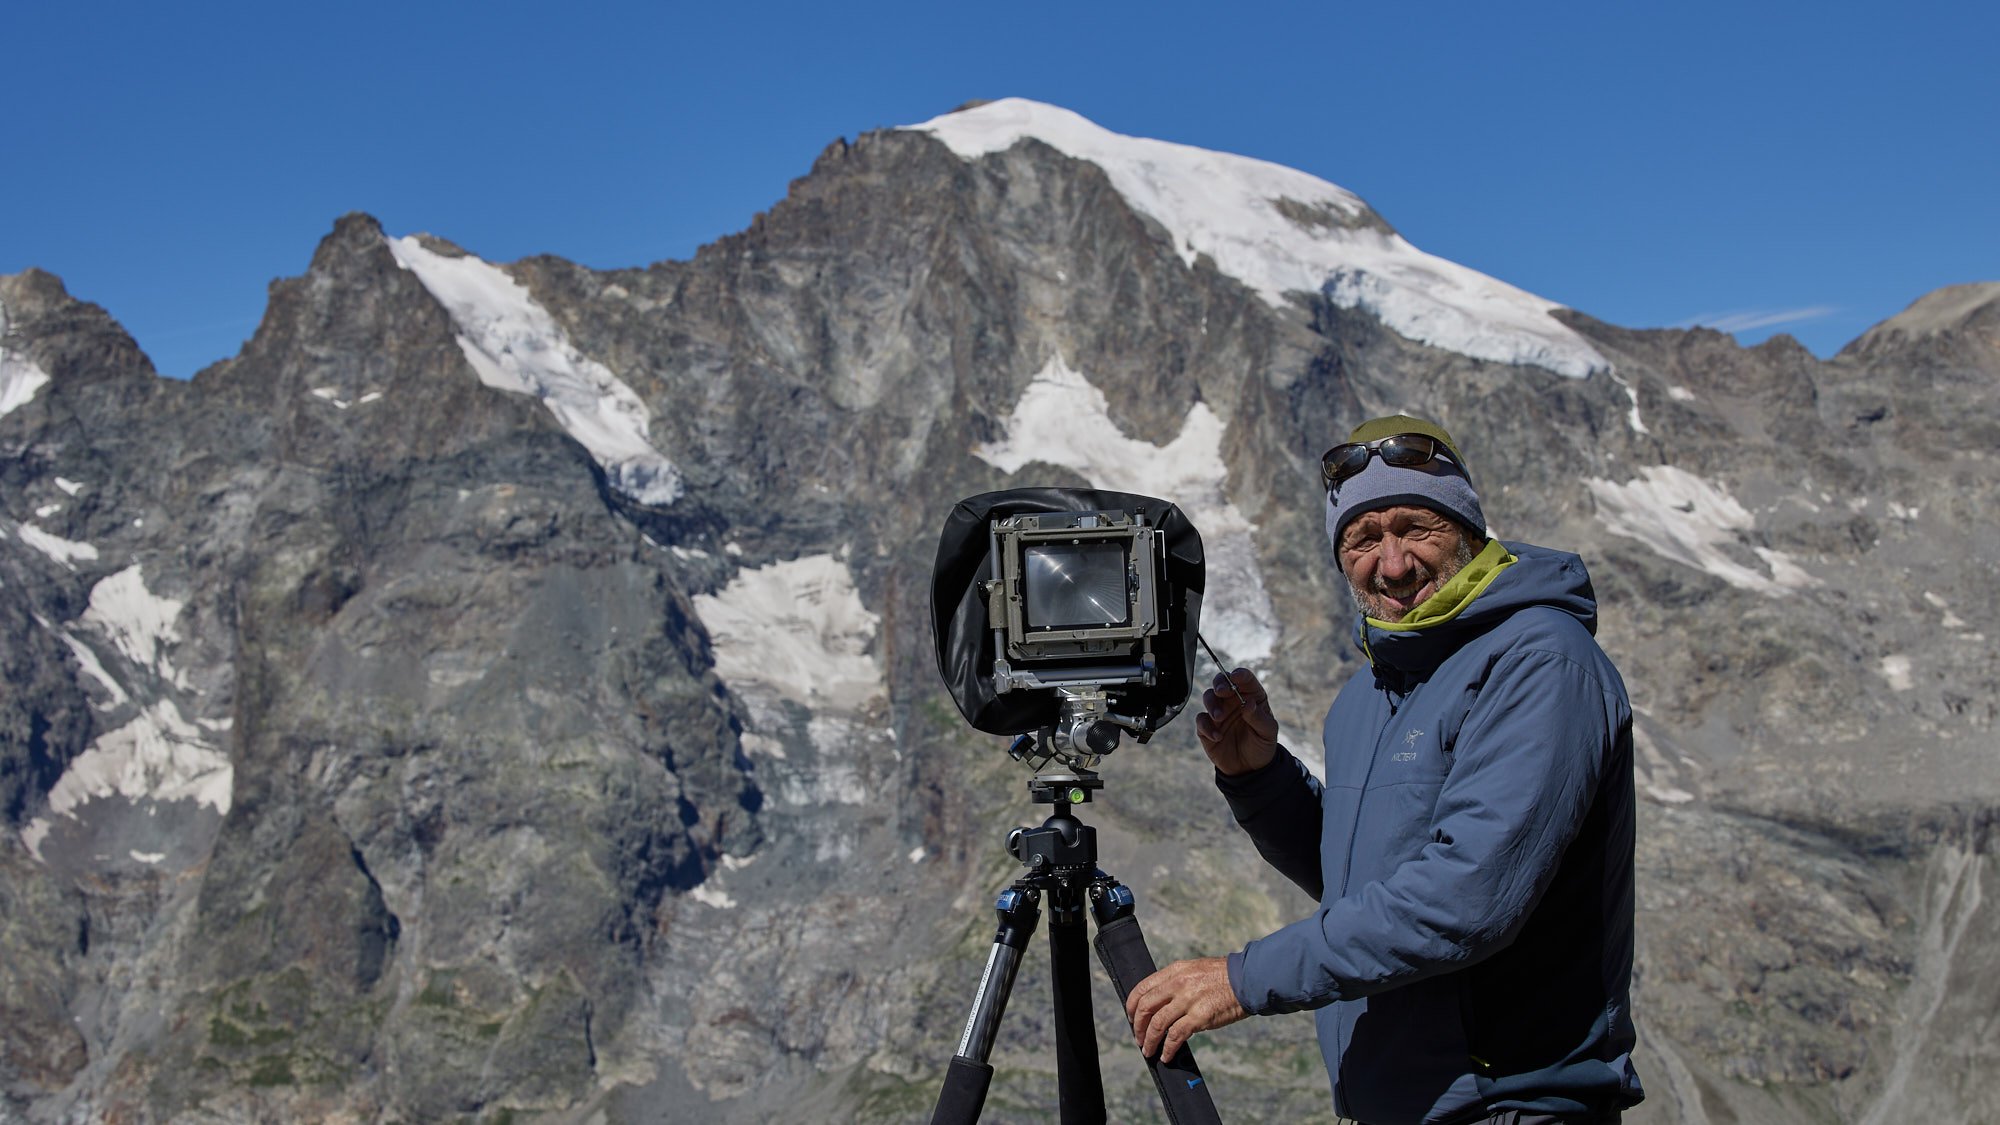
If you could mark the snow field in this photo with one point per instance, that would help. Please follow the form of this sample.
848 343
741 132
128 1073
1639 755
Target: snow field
19 378
157 755
1065 421
514 344
1682 517
796 629
1281 231
64 551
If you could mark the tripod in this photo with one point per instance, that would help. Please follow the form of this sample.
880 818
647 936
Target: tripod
1061 858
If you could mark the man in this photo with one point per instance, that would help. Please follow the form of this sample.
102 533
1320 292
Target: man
1471 848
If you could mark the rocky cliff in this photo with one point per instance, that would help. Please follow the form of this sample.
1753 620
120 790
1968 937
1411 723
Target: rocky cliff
507 692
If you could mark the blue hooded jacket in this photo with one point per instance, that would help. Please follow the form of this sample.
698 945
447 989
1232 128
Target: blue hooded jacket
1471 851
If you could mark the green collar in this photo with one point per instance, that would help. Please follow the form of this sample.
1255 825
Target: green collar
1455 595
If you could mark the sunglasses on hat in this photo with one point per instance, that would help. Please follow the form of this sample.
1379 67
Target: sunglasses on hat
1404 451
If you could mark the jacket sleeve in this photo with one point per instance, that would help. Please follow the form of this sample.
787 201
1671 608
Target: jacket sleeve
1526 768
1279 806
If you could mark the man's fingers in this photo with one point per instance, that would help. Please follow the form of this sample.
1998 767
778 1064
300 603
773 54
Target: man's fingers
1206 730
1158 1025
1244 684
1143 999
1222 707
1145 1006
1161 1009
1170 1027
1135 997
1238 691
1179 1001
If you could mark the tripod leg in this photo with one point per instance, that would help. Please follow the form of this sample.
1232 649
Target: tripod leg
1122 949
967 1079
1079 1082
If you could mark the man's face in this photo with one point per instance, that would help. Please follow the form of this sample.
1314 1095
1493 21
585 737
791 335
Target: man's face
1396 557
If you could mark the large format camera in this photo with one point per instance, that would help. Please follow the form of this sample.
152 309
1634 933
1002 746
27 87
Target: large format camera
1067 617
1068 614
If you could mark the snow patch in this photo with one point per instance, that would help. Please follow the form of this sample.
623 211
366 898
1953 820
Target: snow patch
1784 571
1950 620
709 896
917 854
86 659
1063 420
514 344
1680 394
47 510
332 395
1632 418
1896 670
1281 231
62 550
797 628
158 756
1688 520
139 622
19 377
149 857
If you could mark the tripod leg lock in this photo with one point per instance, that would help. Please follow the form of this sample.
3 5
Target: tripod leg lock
1020 912
1111 901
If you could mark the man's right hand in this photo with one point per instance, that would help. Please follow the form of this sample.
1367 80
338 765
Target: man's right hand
1237 727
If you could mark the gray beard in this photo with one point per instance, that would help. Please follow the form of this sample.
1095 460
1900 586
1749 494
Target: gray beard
1369 603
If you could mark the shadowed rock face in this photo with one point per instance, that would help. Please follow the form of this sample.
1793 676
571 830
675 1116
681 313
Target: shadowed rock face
383 756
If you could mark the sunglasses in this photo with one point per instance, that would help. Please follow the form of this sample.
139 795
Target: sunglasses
1404 451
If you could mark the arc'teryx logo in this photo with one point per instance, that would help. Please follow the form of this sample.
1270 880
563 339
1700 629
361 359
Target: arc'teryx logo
1409 740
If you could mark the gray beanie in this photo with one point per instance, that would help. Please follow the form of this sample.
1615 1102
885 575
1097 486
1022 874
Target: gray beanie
1441 486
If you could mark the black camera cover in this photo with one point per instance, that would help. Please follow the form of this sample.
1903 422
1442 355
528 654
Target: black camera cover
964 639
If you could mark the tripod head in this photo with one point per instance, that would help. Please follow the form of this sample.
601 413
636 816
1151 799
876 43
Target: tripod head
1085 730
1062 786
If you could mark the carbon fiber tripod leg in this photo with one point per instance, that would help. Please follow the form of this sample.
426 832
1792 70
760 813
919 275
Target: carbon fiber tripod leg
969 1075
1079 1081
1122 949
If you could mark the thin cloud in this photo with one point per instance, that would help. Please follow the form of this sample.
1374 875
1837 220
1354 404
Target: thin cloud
1747 320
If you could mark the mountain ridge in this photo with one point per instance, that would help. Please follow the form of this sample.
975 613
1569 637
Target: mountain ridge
527 815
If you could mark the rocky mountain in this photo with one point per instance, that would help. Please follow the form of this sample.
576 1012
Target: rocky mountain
506 692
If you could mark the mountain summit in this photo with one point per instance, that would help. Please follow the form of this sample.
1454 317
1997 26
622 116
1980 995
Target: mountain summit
1283 232
507 689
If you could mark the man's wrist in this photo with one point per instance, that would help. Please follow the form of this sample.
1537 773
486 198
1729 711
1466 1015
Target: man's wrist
1235 965
1250 775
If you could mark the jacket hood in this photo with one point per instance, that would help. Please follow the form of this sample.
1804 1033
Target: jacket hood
1538 576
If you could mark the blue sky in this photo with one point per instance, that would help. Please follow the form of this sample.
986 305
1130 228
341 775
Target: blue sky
1809 168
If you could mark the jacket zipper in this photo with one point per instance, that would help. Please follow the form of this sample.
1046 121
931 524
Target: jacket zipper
1368 775
1347 864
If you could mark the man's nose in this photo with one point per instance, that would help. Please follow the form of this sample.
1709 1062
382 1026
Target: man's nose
1395 560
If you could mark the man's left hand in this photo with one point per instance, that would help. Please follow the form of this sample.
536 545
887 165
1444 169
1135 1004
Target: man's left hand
1180 1000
